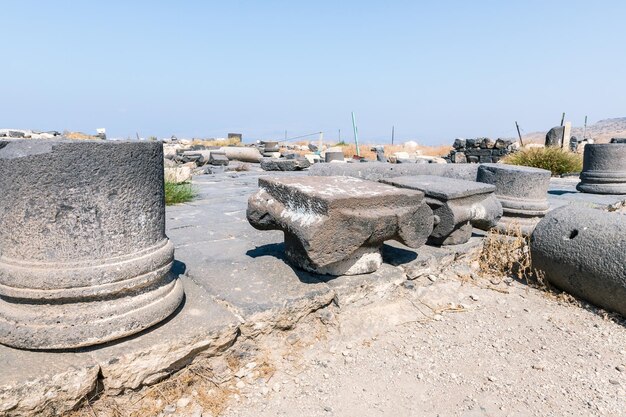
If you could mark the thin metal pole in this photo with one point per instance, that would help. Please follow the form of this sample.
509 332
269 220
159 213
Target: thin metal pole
392 133
356 135
519 134
585 129
562 118
339 136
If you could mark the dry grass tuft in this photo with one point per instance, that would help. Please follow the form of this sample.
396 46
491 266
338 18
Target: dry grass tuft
553 159
216 142
506 254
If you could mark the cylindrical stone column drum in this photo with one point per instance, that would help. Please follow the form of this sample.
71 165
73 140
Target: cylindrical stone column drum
84 258
522 191
583 251
604 169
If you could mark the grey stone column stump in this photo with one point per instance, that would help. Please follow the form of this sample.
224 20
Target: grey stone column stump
337 225
604 169
83 254
582 251
456 204
522 191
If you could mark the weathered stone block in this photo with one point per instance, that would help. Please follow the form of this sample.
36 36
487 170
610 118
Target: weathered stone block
456 204
83 254
618 140
337 225
334 156
283 164
522 191
554 137
459 158
218 158
581 251
604 169
459 143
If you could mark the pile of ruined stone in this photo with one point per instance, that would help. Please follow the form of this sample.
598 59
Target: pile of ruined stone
183 159
336 220
480 150
28 134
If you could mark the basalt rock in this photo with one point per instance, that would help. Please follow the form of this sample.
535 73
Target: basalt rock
456 204
83 254
604 169
337 225
522 191
581 251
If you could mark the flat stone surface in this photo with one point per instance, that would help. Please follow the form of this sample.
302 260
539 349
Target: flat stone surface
441 187
562 191
375 171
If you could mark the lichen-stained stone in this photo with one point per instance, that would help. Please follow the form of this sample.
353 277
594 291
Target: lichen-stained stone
582 250
521 190
337 225
456 204
84 258
604 169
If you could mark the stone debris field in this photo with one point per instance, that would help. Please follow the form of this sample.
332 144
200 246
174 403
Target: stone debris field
305 284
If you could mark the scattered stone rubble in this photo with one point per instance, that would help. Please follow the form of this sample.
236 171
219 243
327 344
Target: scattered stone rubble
480 150
604 169
91 262
337 225
457 205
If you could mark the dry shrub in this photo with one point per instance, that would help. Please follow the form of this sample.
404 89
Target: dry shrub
216 142
506 254
553 159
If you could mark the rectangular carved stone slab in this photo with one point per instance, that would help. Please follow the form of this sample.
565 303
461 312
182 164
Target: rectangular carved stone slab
456 204
336 225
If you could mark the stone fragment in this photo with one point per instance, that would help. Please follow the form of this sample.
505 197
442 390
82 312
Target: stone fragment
554 137
380 153
502 143
283 164
486 143
242 153
337 225
218 158
178 174
459 158
618 140
331 156
456 204
89 262
522 191
604 169
458 143
581 251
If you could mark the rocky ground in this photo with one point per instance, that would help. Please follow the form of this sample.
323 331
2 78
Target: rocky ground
446 345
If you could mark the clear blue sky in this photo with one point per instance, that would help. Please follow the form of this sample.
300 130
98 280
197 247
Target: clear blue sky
436 70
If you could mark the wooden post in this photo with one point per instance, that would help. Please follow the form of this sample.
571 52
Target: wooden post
519 134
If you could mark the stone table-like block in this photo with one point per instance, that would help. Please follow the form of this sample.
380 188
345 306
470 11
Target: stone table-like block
83 254
522 191
582 250
284 164
456 204
337 225
604 169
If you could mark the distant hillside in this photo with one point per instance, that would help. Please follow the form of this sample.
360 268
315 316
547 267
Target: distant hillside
601 131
